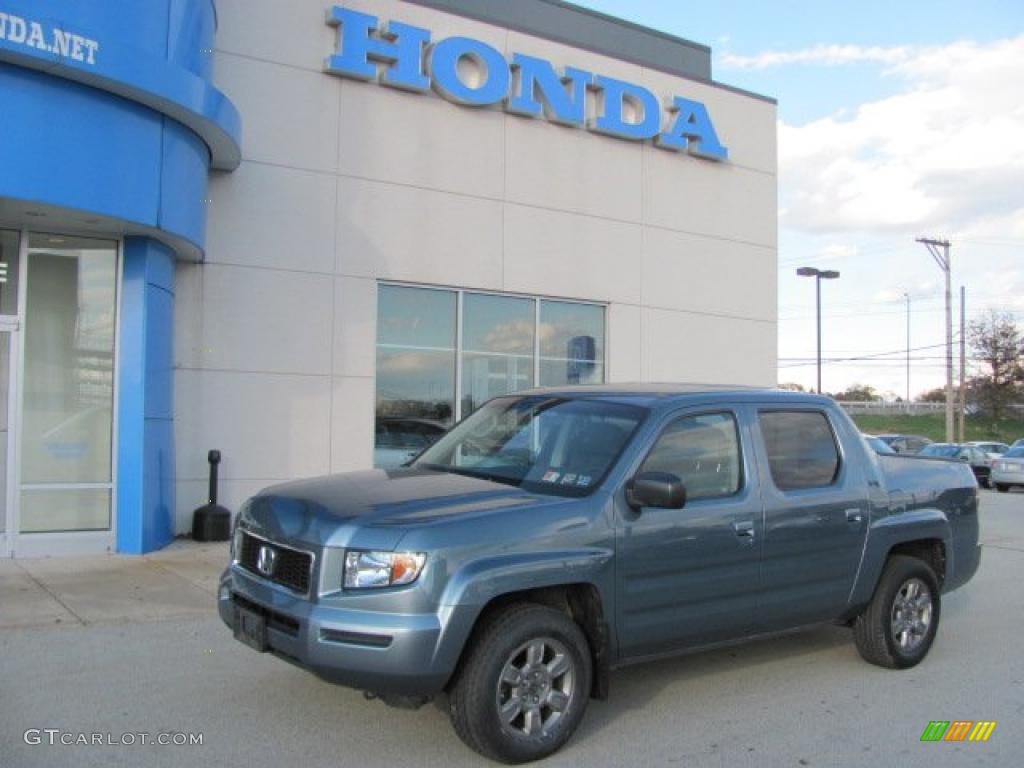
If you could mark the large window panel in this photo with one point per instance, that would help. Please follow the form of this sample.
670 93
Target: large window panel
498 342
415 369
442 353
68 411
571 343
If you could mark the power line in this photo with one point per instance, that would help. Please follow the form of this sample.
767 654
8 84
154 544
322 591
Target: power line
874 356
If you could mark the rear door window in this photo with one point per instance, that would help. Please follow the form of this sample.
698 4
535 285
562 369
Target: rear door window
801 449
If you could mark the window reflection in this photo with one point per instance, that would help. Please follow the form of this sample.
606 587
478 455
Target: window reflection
417 356
571 343
415 370
497 338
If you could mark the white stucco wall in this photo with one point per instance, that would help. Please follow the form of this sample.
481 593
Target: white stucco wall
345 183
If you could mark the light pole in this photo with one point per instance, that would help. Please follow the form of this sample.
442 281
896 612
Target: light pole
818 276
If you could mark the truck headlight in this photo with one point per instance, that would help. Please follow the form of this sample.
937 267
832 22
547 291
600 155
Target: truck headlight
364 570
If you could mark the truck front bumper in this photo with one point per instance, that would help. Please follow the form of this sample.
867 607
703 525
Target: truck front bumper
382 653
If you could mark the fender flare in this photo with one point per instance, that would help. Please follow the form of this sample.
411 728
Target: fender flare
891 531
478 582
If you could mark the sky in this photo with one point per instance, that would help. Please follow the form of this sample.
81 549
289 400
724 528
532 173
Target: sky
896 120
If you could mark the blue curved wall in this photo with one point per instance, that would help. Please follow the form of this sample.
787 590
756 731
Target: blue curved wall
128 130
123 122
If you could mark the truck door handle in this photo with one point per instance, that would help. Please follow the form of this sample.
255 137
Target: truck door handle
854 516
745 531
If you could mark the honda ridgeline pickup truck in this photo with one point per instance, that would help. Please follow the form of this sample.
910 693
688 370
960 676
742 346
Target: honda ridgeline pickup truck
555 535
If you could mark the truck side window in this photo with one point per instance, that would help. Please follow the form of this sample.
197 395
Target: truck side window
703 451
801 449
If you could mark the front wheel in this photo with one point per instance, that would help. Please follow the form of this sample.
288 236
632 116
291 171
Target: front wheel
1002 487
524 685
898 626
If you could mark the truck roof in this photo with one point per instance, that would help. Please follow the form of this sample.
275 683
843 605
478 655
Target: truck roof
652 394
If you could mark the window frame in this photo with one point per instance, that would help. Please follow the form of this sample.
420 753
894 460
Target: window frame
838 477
673 419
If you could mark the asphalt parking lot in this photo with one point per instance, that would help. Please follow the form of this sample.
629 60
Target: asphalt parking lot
806 699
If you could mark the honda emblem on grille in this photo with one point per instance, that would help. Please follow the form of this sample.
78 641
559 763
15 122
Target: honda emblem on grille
266 560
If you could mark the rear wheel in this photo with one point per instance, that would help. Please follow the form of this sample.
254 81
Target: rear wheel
524 685
897 628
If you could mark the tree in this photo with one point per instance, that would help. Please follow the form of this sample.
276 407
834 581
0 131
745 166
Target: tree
792 386
859 393
997 346
937 395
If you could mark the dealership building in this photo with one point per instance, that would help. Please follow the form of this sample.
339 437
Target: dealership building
312 236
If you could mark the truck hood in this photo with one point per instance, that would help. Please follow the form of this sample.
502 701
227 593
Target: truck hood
321 510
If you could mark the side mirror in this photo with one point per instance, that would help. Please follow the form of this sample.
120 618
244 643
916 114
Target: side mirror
656 489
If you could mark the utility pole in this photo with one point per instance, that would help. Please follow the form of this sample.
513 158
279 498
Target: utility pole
939 249
907 296
963 361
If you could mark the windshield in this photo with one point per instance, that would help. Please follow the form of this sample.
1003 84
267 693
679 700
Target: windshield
540 443
1015 453
941 450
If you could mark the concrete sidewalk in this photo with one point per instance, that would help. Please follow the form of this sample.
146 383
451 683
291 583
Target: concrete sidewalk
178 581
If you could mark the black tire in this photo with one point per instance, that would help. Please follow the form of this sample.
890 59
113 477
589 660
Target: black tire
474 698
875 630
1002 487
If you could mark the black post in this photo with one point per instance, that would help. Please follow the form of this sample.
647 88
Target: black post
211 522
214 458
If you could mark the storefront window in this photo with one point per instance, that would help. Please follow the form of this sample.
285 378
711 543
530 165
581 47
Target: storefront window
415 370
571 343
497 344
70 314
426 380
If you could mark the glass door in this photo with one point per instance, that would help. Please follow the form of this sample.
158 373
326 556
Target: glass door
9 261
67 416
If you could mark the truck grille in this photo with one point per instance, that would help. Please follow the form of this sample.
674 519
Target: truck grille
288 567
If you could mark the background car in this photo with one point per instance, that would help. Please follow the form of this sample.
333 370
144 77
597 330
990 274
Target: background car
1017 443
980 463
994 450
1008 469
905 443
877 444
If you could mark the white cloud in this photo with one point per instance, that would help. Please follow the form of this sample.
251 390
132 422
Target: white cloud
829 55
944 156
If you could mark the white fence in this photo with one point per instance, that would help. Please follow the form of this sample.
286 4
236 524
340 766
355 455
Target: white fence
882 408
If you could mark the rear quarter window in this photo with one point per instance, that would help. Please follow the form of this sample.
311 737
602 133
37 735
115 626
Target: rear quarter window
801 449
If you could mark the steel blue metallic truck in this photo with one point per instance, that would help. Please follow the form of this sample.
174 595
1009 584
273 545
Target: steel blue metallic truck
556 535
